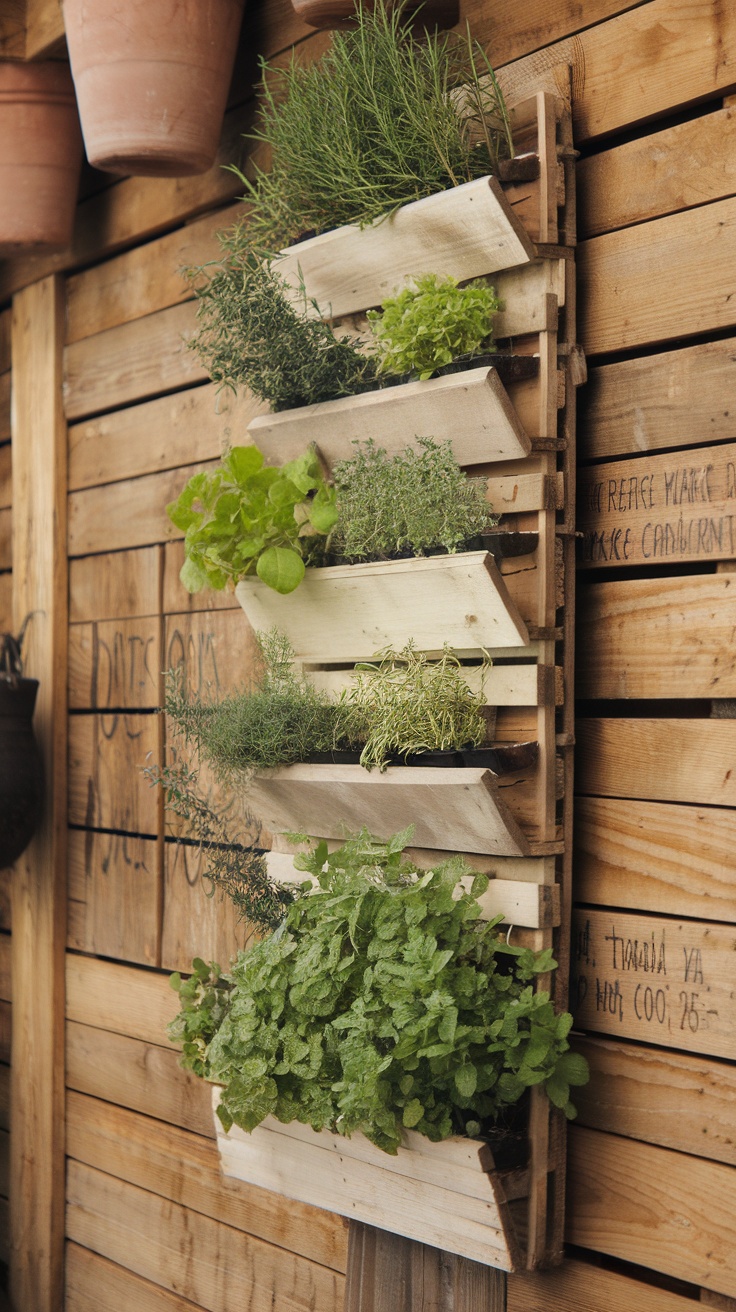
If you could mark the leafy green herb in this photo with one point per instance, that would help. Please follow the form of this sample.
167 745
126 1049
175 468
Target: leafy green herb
430 324
409 703
252 334
382 1001
382 118
414 502
243 517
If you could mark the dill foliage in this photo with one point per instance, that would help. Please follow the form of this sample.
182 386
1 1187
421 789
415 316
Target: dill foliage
406 504
382 118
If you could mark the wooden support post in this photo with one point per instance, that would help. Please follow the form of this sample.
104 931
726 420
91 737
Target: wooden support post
39 877
387 1273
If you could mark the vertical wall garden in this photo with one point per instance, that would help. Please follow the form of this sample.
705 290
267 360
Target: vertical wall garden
398 530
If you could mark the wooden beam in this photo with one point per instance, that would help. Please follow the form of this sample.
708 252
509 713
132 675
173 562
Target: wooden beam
45 37
39 879
387 1272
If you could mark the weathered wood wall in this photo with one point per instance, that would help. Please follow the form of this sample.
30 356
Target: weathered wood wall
149 1224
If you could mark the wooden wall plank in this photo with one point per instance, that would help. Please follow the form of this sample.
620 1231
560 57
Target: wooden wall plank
692 253
6 476
682 1102
638 65
681 166
224 1268
216 648
579 1287
144 1077
652 856
5 1097
6 971
512 34
6 602
115 585
653 638
132 362
121 999
142 280
115 892
4 406
185 1167
6 1030
635 1202
660 760
44 30
677 398
173 430
97 522
115 664
6 542
107 756
39 878
655 979
197 922
659 508
92 1282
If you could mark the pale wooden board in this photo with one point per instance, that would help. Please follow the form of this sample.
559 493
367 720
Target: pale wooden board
95 521
450 809
143 280
370 1192
653 856
470 230
148 1153
39 875
132 362
115 664
114 907
655 979
520 902
224 1269
673 169
651 638
659 509
678 398
579 1287
659 760
693 251
460 600
156 435
115 585
653 1207
470 409
196 923
144 1077
683 1102
107 756
92 1281
119 998
216 649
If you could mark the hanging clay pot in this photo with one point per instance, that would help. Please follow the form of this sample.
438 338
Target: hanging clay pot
342 13
152 78
21 775
40 157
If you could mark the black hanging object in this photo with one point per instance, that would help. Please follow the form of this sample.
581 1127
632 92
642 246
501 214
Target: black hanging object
21 772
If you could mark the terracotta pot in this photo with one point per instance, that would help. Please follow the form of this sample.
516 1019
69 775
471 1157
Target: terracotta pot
40 156
341 13
152 78
21 774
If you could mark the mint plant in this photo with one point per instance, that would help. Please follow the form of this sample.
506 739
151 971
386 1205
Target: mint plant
244 517
427 326
382 1002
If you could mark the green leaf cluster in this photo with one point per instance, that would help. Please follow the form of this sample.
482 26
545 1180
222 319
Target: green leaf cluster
431 323
416 501
251 333
280 719
408 703
380 119
244 516
382 1002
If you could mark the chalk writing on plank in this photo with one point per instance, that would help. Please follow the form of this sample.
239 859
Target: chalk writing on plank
662 981
196 651
659 508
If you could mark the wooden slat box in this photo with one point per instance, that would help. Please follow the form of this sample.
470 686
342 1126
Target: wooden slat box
465 232
447 1194
350 612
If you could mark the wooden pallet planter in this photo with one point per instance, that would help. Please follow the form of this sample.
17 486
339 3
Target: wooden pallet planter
471 409
350 612
455 810
446 1194
464 232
